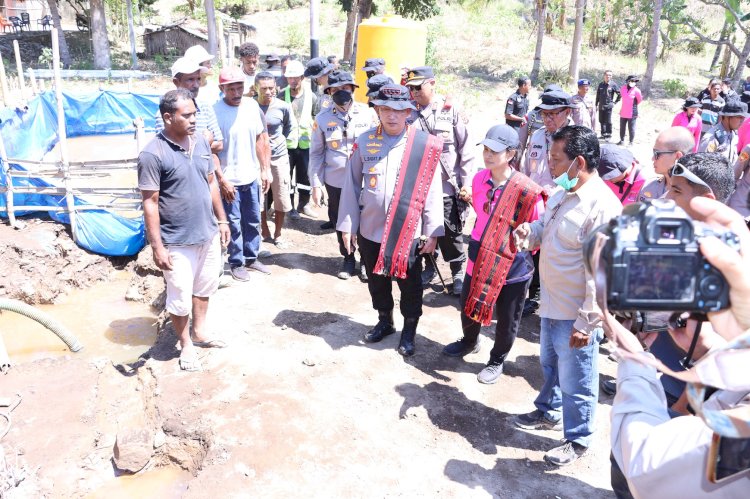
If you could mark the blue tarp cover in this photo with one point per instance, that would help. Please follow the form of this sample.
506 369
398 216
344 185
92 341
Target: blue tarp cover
30 134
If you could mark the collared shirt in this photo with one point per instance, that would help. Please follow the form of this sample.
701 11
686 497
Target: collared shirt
719 139
693 124
517 105
457 161
522 267
653 189
630 97
567 288
534 165
584 114
739 198
710 111
333 136
607 95
659 456
186 215
371 181
628 189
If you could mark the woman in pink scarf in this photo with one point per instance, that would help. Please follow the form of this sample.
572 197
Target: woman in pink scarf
631 96
690 119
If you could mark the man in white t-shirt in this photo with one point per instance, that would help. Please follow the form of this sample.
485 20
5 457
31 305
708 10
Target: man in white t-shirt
245 163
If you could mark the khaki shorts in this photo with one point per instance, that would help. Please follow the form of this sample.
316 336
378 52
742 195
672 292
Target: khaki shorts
280 184
195 272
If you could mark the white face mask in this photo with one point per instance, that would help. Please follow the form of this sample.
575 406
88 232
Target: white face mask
631 84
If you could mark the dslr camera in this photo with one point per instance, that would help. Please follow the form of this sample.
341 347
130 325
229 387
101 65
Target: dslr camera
653 262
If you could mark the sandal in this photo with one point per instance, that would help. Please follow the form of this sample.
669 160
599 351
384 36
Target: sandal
281 244
214 343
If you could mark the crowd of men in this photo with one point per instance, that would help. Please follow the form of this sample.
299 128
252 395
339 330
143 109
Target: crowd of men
399 177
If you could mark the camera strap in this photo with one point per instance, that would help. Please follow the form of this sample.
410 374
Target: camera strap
725 368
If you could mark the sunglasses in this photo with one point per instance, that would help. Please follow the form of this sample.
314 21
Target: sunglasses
680 171
490 199
416 88
551 115
658 153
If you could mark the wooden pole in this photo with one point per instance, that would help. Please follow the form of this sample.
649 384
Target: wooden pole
8 182
32 81
19 68
4 83
62 135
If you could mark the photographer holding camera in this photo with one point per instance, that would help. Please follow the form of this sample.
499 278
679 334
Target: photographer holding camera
710 452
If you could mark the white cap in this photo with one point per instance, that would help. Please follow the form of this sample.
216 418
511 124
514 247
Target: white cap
294 69
199 54
186 66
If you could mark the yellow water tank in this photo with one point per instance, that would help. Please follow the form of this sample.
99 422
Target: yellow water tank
401 42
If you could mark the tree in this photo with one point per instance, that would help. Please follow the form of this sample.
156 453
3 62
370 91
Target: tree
653 46
541 14
351 26
99 40
131 31
64 52
575 52
211 22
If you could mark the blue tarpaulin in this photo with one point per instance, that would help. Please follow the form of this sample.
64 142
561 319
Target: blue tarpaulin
30 134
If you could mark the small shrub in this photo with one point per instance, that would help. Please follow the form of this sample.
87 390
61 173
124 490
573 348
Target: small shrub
45 58
675 87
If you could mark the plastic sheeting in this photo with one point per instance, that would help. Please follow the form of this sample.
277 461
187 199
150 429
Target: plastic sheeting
31 133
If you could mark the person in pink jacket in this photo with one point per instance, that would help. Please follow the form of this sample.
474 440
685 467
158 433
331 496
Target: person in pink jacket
631 96
690 119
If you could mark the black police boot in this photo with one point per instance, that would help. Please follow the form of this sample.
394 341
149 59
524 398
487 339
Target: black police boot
383 328
406 345
457 272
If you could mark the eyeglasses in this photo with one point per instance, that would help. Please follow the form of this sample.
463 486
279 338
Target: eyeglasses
551 115
680 171
490 198
416 88
658 153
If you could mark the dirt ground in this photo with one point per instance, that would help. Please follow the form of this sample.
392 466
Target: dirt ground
296 403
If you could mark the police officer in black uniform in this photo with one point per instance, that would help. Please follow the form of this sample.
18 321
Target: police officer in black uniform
607 95
518 104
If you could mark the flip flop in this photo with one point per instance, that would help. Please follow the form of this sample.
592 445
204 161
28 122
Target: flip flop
192 364
281 243
214 343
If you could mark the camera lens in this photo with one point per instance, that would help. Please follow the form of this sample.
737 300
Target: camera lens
711 286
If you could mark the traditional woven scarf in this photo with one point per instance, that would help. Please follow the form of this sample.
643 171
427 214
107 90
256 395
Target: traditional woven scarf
415 176
496 248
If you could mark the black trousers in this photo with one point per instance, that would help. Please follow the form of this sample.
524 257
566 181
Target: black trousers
451 245
630 123
508 310
605 121
618 481
334 197
298 162
381 287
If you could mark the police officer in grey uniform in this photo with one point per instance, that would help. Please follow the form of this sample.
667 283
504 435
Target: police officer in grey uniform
722 137
334 132
518 104
437 115
584 112
374 84
317 70
374 66
533 122
371 181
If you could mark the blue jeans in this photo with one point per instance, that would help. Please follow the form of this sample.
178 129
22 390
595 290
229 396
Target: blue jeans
244 224
571 380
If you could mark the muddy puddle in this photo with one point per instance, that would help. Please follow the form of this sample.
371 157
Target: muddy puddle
165 483
103 321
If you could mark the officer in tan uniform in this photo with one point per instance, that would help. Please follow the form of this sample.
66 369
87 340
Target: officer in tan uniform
722 137
555 110
437 115
375 166
584 112
334 132
317 70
